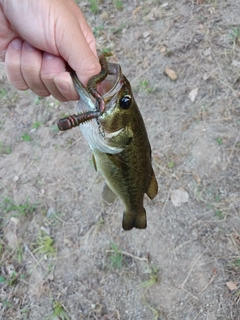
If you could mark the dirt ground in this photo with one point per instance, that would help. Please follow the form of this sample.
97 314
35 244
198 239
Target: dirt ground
63 254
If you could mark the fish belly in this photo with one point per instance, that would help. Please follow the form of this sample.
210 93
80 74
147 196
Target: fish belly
128 177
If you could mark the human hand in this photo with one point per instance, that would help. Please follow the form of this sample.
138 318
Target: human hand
38 38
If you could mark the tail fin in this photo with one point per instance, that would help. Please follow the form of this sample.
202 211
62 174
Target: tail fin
138 221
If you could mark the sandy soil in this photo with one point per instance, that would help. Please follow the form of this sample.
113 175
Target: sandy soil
63 254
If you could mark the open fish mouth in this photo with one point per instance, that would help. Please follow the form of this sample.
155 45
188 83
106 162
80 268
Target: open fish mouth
97 136
112 82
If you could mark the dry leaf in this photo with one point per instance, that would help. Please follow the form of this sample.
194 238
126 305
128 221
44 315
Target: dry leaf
171 73
236 63
10 232
146 34
137 10
179 196
10 269
163 49
207 52
193 94
197 178
104 15
231 285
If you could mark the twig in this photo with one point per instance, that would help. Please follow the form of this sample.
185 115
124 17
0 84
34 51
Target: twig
129 255
233 147
215 274
190 293
182 245
191 269
221 45
167 197
30 252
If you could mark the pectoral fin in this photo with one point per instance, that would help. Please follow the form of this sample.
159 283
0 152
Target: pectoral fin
108 195
152 189
94 162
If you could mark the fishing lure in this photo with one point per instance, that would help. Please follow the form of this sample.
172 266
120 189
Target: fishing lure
76 119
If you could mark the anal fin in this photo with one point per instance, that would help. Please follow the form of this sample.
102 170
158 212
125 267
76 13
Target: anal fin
152 189
108 195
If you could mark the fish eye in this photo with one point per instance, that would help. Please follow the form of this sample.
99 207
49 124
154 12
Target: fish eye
125 102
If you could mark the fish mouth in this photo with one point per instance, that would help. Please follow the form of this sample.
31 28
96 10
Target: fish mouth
110 84
96 134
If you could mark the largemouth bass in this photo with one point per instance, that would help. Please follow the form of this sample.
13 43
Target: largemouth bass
120 146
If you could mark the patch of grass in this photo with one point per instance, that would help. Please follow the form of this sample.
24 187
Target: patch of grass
106 50
237 262
8 150
219 141
26 137
36 125
54 128
99 223
94 6
25 311
216 199
116 258
7 304
219 214
59 312
45 245
69 141
156 313
118 29
213 202
153 278
97 31
8 205
12 279
19 253
3 93
235 36
5 149
118 4
145 85
171 165
38 100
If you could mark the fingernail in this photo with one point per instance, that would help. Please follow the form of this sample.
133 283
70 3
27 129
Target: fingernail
48 56
16 44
